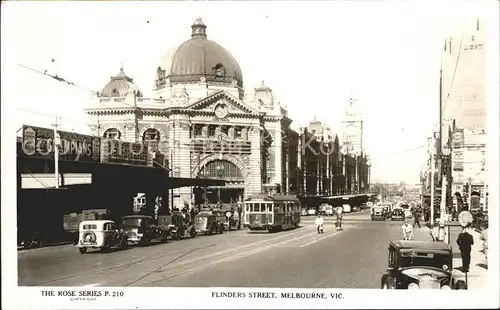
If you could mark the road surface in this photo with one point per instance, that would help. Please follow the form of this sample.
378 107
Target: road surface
353 258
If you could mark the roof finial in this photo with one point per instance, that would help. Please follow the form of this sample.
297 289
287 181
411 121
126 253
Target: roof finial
199 29
121 65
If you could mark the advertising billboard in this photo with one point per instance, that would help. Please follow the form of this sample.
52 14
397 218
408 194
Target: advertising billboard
121 152
38 142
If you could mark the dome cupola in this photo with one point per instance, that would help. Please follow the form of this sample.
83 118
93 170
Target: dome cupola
120 86
198 60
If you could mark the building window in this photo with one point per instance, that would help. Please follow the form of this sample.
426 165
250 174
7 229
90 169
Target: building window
211 131
151 135
112 134
225 130
473 38
238 132
198 130
220 71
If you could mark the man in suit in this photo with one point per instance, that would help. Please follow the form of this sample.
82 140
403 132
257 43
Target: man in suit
465 242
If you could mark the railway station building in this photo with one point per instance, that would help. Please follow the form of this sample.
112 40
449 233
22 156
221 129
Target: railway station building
199 120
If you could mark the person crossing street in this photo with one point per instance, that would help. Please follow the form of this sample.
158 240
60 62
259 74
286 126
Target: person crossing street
416 216
407 231
319 224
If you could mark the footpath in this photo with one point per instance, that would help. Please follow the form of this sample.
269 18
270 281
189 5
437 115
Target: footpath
477 277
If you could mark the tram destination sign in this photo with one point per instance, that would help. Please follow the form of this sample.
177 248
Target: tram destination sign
38 142
121 152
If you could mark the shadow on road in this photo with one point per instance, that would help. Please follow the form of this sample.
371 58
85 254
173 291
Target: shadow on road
265 232
484 266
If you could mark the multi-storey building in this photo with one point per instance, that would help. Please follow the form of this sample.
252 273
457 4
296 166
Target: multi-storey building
464 109
199 120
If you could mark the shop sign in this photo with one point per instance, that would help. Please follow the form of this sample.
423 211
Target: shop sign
458 138
121 152
38 142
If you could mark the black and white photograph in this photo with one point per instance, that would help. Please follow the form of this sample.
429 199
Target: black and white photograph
260 154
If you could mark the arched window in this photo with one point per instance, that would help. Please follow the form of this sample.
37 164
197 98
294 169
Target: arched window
115 92
222 170
112 133
220 71
151 135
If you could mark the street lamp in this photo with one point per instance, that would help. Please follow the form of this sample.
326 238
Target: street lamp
444 191
220 174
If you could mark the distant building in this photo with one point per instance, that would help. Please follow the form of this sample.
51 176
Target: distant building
464 109
352 128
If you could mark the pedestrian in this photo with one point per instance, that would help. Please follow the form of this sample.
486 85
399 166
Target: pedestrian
416 215
319 224
338 214
465 242
407 231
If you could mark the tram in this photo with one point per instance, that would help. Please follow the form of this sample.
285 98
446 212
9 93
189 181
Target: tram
271 212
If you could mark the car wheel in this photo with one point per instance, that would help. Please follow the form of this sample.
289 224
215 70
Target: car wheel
384 281
82 250
460 285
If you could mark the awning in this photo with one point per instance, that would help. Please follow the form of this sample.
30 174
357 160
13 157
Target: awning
184 182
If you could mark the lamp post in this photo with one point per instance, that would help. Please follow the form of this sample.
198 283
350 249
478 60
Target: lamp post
442 216
444 163
220 174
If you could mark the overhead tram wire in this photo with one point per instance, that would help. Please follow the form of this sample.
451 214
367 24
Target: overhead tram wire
400 152
60 79
444 105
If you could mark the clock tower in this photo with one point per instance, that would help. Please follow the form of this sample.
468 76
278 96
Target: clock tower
352 127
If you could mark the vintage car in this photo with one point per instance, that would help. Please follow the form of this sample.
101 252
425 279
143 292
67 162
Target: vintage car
234 220
207 223
100 234
407 210
181 226
142 229
420 265
378 213
397 214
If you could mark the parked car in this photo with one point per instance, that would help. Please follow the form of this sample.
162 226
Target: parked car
100 234
207 223
303 212
420 265
326 209
143 229
377 213
311 211
181 226
407 210
397 214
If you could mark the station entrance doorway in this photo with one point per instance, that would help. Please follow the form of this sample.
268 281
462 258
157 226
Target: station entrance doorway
231 193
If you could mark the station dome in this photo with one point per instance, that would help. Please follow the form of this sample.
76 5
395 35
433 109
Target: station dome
120 86
198 58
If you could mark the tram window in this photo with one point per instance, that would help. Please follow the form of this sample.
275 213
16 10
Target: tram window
247 207
262 207
270 208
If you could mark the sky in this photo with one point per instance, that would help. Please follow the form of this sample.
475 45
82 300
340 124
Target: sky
314 55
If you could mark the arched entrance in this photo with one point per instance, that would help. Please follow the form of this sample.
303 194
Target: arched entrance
221 169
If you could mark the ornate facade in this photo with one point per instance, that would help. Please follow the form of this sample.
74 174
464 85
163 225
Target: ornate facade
198 119
352 128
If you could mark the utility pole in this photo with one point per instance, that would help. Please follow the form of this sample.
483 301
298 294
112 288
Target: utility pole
57 142
433 154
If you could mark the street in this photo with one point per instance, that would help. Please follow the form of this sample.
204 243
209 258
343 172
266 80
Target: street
353 258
